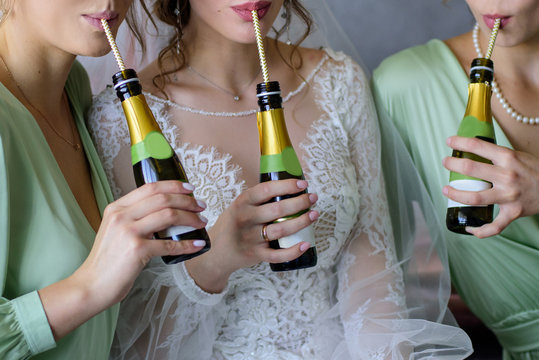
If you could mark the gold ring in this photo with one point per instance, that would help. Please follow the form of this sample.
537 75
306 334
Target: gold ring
264 233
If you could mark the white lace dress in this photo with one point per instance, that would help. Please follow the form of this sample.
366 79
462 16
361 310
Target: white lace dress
352 305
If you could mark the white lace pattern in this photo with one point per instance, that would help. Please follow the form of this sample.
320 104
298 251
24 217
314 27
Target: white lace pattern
351 305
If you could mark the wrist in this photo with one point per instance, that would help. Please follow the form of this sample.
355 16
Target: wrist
68 304
207 273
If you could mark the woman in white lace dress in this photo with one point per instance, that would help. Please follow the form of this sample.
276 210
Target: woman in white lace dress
227 303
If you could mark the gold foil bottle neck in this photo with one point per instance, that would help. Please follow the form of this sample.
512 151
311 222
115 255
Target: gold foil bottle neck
140 119
272 132
479 95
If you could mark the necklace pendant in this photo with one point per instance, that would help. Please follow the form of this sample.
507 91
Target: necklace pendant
236 98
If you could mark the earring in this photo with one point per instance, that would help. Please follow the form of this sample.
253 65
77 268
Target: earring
178 26
288 17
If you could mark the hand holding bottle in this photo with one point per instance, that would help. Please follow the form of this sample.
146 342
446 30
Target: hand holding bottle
513 174
237 235
122 247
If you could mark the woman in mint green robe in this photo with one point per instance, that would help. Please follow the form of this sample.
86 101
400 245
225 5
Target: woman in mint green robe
38 214
423 92
60 282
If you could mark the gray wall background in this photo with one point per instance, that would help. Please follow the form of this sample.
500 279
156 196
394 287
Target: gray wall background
379 28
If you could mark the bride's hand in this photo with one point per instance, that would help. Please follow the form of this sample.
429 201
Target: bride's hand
237 240
514 176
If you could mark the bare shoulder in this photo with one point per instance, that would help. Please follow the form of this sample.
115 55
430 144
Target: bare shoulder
311 58
147 76
304 60
463 49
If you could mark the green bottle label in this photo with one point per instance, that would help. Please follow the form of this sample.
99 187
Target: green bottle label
285 161
154 145
472 127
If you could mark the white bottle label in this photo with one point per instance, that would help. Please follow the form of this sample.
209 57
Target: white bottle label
305 234
467 185
175 230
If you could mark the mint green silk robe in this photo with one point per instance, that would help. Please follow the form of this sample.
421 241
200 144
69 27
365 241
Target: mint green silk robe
44 235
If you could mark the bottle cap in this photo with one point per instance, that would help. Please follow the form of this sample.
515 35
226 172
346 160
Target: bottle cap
269 95
482 70
126 84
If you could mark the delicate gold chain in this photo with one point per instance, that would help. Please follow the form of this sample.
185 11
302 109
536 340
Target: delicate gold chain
75 145
236 97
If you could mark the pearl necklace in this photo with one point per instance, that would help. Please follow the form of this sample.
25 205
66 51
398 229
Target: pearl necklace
496 90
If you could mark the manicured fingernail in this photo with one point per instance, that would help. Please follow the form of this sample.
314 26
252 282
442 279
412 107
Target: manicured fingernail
313 198
445 190
302 184
201 203
199 243
313 215
203 218
188 186
304 246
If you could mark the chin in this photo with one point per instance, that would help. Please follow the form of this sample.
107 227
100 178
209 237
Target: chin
95 48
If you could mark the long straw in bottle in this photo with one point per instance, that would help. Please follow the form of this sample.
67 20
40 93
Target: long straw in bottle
493 35
260 45
113 45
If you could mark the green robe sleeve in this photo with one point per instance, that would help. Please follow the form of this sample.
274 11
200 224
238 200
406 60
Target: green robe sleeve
24 329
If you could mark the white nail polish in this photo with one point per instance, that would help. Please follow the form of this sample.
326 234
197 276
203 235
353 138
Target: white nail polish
201 203
199 243
188 186
203 218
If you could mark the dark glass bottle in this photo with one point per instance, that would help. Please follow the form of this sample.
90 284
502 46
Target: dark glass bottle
152 156
477 122
278 161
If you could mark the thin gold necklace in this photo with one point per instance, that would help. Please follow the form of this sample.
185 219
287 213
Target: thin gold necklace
75 145
236 96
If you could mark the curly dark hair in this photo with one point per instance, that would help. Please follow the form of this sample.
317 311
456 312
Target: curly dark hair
166 11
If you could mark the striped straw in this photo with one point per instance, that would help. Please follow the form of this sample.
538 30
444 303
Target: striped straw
260 45
113 45
493 37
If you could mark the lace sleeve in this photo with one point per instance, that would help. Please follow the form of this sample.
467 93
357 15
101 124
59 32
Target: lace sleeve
165 311
160 321
372 293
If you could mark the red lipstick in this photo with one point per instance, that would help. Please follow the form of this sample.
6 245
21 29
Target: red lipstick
244 10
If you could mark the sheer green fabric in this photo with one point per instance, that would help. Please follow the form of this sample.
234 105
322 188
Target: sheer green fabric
44 235
423 91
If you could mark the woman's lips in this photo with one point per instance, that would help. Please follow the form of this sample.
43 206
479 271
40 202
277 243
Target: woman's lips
95 19
491 19
244 10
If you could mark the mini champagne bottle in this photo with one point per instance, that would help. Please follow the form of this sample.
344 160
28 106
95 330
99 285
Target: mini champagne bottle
477 122
152 156
279 161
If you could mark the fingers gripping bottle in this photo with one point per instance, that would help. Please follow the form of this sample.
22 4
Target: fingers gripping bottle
152 156
279 161
477 122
